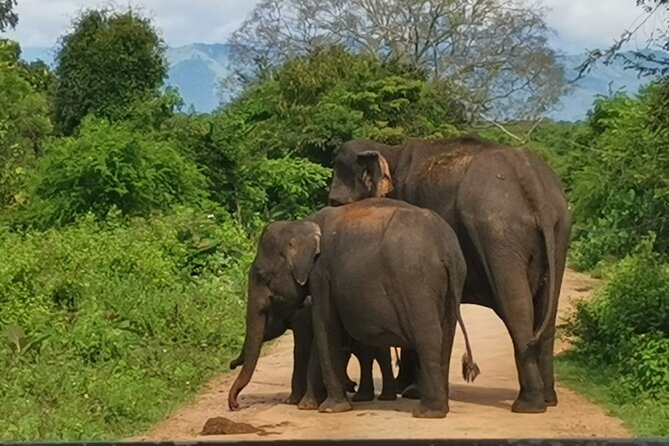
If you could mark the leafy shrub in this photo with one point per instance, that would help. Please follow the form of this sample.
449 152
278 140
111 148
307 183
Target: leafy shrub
626 326
109 166
618 181
106 327
242 175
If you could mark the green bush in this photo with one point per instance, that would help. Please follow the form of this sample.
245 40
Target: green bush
625 328
241 174
618 180
109 166
106 327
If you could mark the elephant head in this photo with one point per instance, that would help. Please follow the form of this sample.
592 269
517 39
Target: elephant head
360 171
276 289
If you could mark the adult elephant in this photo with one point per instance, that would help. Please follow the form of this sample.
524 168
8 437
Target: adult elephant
510 214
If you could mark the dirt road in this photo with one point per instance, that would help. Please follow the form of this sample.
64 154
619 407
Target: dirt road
478 410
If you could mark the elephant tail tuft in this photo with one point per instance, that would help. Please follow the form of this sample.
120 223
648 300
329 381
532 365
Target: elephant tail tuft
469 368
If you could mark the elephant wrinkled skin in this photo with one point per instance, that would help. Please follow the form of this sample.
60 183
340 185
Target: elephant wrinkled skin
510 214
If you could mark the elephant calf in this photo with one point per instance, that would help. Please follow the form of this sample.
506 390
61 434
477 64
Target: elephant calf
382 271
301 325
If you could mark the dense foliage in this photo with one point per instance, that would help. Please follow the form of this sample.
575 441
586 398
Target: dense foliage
623 333
106 326
24 123
108 166
619 179
268 153
125 235
617 175
109 60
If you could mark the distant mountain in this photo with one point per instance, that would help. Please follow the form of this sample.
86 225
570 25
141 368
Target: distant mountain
196 70
601 80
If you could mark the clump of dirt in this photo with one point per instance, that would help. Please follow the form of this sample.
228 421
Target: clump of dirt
224 426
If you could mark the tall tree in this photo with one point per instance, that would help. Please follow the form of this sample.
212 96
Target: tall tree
492 55
24 122
106 63
8 17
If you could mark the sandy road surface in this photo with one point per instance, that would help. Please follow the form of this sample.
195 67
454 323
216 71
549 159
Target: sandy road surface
478 410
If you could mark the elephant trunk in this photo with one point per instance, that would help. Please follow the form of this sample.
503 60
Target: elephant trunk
239 360
255 329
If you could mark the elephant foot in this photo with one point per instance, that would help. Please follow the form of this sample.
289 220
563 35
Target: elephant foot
534 405
388 395
401 384
294 399
424 411
308 403
550 398
361 396
331 405
411 393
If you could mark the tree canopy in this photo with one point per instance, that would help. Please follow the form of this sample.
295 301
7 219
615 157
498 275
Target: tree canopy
110 60
491 56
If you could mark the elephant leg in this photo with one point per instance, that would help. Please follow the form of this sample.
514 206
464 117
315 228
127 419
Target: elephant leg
302 340
365 356
547 342
407 379
514 300
546 346
315 393
348 382
433 402
448 335
328 337
406 373
389 391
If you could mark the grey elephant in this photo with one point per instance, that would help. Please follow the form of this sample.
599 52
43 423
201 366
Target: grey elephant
510 214
300 322
382 271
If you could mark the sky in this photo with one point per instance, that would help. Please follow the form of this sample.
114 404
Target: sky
579 24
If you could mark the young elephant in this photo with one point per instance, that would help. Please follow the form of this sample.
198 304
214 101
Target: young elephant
301 325
383 271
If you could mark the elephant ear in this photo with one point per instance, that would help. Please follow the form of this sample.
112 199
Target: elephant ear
376 174
303 248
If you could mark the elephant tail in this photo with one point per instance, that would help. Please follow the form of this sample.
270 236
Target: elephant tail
549 240
470 370
456 270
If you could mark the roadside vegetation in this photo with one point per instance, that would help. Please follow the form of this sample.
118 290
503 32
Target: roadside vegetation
127 224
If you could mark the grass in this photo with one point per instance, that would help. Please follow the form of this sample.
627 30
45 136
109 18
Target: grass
643 418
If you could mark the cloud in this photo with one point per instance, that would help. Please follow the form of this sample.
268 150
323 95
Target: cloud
580 23
41 22
596 23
